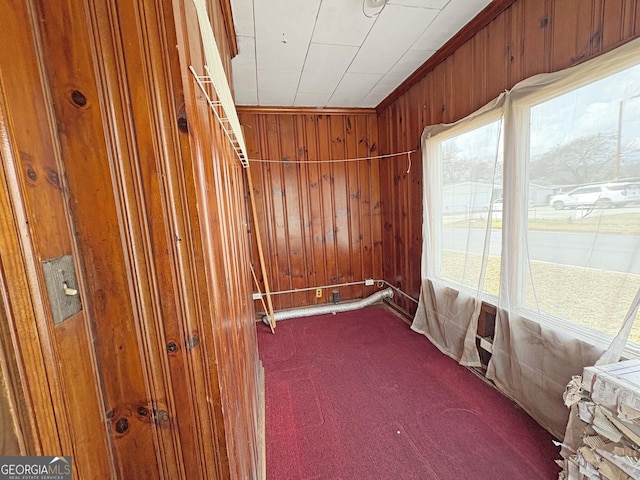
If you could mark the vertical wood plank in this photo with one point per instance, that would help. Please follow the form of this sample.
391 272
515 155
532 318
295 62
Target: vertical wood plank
462 82
536 37
388 246
275 198
307 272
498 55
339 194
313 185
413 190
568 16
516 42
354 193
613 16
293 242
9 439
327 202
39 188
363 176
375 197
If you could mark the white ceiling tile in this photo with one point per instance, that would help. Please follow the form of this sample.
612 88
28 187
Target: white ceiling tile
352 89
432 36
342 102
394 33
278 79
277 55
324 67
246 97
244 65
356 82
283 33
275 36
371 101
472 7
409 62
388 83
311 99
398 27
246 49
242 11
450 20
245 78
372 59
276 98
342 22
439 4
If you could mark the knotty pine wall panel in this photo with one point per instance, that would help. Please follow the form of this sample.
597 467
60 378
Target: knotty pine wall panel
530 24
509 41
59 381
320 221
618 21
496 60
229 344
9 440
117 161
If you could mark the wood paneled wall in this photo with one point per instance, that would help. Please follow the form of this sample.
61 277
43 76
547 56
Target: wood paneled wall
110 155
321 222
9 440
218 180
526 38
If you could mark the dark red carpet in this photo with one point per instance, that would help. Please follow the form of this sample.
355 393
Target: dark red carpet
358 395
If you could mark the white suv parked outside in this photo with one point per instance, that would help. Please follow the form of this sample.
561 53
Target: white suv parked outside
602 196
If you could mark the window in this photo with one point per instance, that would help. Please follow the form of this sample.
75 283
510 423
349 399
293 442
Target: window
584 238
471 166
566 196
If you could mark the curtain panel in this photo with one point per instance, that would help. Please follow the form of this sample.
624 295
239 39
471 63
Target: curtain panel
516 232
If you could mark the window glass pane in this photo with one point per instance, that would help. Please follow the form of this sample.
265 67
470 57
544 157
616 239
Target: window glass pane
584 203
471 169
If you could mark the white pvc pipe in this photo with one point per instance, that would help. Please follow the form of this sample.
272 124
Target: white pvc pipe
331 307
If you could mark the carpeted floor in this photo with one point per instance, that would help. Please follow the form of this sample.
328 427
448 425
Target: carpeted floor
358 395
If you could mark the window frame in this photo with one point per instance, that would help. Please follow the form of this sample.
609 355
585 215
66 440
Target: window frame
520 107
516 113
482 119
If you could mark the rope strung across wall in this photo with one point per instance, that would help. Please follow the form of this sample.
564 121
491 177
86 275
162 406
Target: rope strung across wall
342 160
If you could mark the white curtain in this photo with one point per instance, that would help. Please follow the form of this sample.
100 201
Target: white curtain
448 309
449 318
567 275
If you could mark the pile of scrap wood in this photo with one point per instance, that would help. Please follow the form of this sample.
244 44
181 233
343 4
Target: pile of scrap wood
602 440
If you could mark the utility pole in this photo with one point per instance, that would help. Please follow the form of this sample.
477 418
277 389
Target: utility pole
616 166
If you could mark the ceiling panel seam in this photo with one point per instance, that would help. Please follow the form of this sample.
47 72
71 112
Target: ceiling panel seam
307 54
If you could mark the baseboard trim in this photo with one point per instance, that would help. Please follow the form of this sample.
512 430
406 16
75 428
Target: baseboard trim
401 313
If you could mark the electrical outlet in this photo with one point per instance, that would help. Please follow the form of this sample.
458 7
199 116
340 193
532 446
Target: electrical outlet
368 282
318 293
